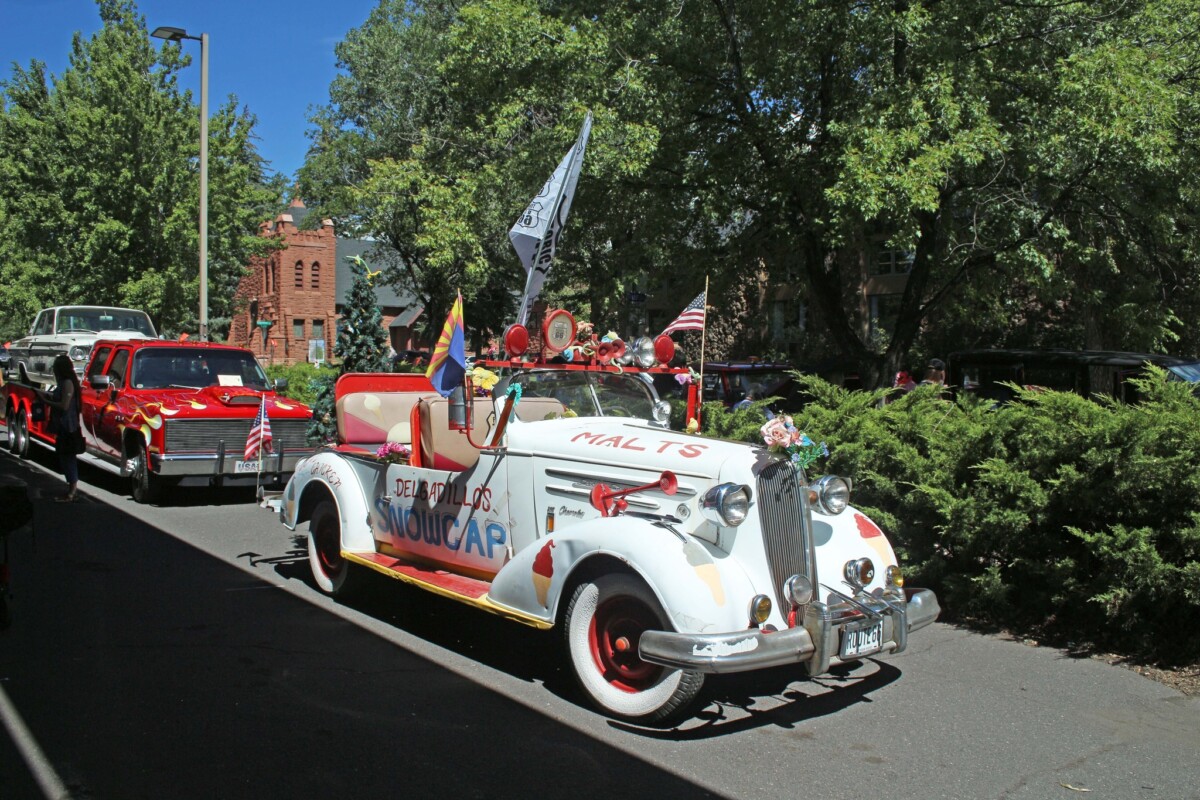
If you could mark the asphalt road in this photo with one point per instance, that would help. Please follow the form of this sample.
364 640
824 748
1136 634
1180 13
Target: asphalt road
182 652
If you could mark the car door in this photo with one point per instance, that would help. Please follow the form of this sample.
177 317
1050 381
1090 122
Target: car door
111 413
93 400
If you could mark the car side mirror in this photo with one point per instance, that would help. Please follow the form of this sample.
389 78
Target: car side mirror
99 382
281 384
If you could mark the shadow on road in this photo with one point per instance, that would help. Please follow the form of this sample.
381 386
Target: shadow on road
146 668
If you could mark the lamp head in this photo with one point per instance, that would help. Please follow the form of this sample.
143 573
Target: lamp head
171 34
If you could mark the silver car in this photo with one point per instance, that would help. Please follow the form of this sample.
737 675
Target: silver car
71 330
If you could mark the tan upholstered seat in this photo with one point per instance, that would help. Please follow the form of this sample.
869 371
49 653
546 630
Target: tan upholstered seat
443 448
367 419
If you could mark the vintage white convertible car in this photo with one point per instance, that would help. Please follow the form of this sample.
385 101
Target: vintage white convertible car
661 555
71 330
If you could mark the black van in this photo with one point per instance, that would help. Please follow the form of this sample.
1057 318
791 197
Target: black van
1085 372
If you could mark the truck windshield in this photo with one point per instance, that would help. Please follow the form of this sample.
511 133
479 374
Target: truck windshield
592 394
95 320
183 367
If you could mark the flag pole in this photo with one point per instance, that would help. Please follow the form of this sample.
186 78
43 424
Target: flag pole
703 333
258 470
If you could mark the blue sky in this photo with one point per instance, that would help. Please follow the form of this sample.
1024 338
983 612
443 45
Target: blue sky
277 58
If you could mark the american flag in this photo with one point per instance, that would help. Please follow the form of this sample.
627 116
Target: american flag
692 318
260 433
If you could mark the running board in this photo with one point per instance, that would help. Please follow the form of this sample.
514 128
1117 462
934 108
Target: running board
84 458
471 591
100 463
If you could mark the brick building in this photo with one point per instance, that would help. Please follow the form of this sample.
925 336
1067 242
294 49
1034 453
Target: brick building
296 294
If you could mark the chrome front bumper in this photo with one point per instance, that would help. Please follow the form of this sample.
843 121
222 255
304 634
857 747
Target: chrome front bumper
224 464
815 643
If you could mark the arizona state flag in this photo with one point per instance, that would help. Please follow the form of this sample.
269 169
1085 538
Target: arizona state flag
448 364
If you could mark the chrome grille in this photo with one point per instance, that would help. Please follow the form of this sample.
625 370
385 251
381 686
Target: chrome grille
786 524
202 435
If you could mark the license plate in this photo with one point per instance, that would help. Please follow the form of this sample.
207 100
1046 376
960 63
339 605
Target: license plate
245 466
862 641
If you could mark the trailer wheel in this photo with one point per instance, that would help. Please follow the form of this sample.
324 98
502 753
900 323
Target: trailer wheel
604 622
18 433
330 571
145 486
10 431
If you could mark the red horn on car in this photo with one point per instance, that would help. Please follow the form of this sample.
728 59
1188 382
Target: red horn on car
618 346
609 502
604 352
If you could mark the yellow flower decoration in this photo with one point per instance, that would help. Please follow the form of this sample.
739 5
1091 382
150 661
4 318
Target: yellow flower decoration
484 379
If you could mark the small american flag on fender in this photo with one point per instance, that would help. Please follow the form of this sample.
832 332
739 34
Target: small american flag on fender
260 433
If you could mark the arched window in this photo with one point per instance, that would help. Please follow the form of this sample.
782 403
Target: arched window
299 274
316 275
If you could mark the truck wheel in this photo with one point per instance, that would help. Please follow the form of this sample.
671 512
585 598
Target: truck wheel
145 486
330 571
604 622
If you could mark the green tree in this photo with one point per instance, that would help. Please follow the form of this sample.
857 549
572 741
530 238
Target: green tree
98 182
1034 159
361 346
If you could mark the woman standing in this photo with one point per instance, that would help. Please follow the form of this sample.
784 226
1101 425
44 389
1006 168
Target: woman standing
65 401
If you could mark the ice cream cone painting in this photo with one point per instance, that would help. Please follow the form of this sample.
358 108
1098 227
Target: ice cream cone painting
373 406
701 562
543 572
869 531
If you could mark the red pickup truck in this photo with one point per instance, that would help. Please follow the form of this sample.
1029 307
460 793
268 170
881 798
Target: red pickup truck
161 412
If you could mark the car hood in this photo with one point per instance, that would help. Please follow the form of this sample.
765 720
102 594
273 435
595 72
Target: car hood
223 400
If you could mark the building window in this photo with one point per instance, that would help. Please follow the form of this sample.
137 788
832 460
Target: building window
316 275
298 329
885 310
892 262
299 274
319 329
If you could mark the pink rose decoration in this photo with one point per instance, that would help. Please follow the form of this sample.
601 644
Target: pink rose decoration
776 433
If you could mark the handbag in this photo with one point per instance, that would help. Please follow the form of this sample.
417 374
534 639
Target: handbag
78 442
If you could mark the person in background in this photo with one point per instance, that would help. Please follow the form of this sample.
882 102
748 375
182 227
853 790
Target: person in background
756 393
747 399
935 373
64 399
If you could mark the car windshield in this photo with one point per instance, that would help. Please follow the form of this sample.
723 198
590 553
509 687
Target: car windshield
1185 372
591 394
182 367
95 320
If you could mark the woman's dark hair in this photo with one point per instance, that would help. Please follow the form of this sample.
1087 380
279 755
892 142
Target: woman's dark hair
64 370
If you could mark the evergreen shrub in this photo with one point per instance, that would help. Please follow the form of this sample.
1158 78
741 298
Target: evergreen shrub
303 379
1068 518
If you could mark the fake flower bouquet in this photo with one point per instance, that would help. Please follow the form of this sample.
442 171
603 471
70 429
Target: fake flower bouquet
781 436
393 453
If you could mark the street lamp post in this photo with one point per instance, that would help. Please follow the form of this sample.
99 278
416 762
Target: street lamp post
176 35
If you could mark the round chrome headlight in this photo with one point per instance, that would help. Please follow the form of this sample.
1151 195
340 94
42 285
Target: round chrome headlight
727 504
643 352
831 494
895 577
662 412
859 573
79 352
799 590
